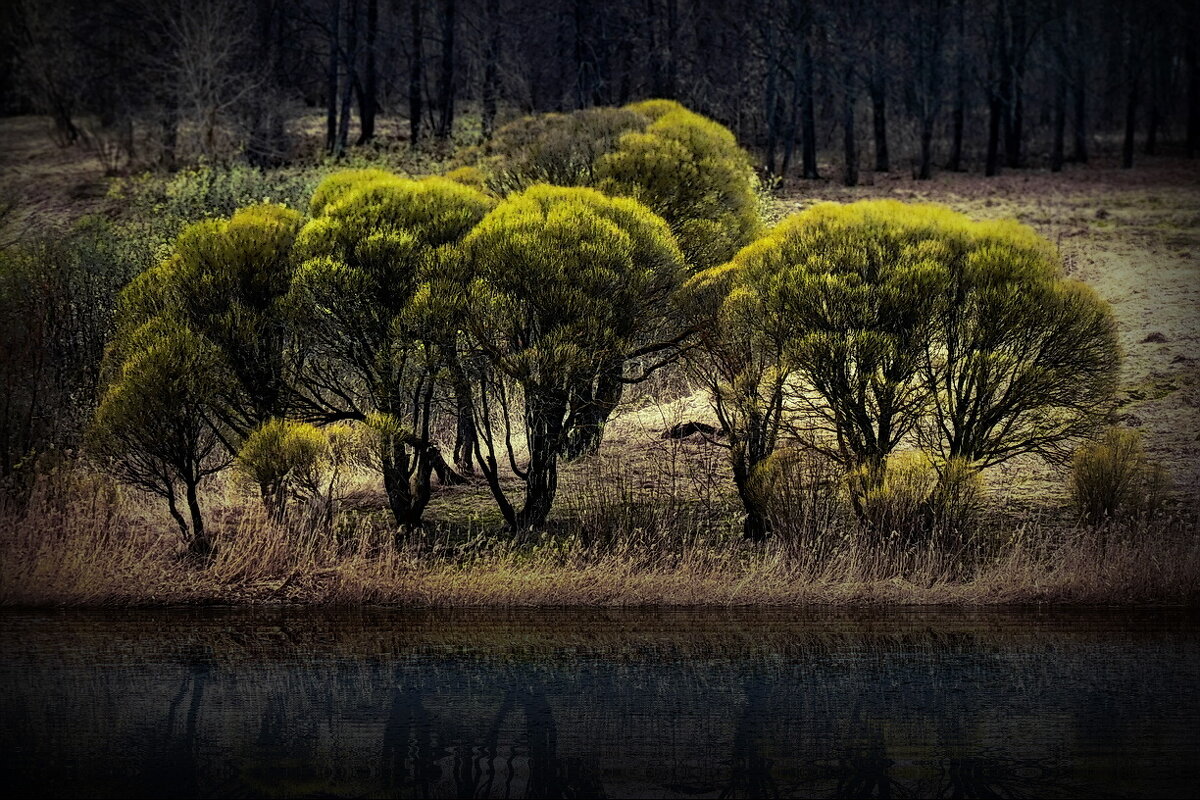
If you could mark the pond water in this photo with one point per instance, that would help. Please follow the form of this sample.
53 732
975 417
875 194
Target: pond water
292 702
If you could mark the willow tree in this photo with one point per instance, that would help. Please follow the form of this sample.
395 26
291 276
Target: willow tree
875 323
199 358
372 339
565 281
155 428
685 167
1020 359
225 280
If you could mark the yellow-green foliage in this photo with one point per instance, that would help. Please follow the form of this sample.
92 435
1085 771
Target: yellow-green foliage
368 257
565 278
1111 478
279 450
468 176
685 167
896 499
914 319
333 187
225 280
560 149
285 457
154 426
375 305
691 171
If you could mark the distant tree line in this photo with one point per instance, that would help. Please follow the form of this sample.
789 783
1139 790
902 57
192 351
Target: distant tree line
920 85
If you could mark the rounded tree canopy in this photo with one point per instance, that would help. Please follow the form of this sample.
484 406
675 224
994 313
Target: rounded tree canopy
685 167
216 268
379 241
913 318
565 278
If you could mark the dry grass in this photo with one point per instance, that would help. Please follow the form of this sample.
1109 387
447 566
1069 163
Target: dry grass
83 544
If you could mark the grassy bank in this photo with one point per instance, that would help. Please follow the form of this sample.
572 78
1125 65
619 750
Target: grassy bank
92 547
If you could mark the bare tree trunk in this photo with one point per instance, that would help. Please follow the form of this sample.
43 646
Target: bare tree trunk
925 170
1080 152
959 114
331 77
491 69
808 121
584 63
849 145
992 164
201 544
771 97
1193 92
1131 104
416 76
446 88
368 103
879 118
351 57
170 130
1060 125
672 71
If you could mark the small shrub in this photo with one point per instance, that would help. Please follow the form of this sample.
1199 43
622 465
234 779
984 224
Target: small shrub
800 491
282 456
1113 479
897 504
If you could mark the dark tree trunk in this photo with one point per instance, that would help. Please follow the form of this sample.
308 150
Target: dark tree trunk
592 412
672 69
849 143
879 118
331 76
465 434
808 120
201 543
446 86
407 480
1131 104
585 67
1080 152
268 145
416 75
959 115
1060 126
995 110
351 57
544 416
170 131
1193 90
491 88
368 104
789 135
925 170
771 99
757 526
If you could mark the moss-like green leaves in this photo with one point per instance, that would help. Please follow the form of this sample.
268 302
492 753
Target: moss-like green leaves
563 279
911 319
685 167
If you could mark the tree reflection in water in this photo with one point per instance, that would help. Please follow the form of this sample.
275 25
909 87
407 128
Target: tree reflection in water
404 707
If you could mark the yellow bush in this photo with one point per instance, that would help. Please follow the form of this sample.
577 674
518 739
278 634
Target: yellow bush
1112 478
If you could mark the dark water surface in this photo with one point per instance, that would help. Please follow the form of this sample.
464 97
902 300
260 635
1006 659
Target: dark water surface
294 702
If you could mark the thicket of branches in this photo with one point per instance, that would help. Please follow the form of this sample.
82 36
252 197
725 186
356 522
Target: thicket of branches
921 85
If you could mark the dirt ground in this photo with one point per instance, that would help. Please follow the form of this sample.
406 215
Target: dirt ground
1134 235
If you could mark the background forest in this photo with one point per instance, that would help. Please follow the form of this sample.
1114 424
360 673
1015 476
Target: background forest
868 83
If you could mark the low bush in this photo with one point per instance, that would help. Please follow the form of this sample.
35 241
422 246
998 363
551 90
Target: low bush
1112 479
